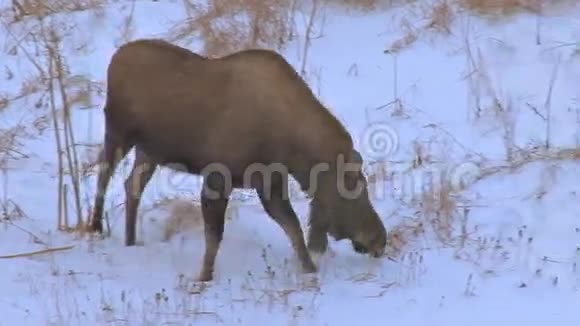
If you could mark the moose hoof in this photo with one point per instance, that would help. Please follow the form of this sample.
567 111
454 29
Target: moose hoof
205 275
309 267
135 243
316 257
310 270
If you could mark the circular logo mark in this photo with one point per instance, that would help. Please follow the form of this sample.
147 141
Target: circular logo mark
379 140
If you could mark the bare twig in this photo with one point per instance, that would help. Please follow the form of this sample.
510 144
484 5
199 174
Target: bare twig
548 103
52 101
307 39
38 252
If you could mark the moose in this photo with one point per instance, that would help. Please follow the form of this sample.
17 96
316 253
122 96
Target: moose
219 118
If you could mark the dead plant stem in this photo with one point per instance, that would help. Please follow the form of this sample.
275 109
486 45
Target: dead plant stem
307 40
58 144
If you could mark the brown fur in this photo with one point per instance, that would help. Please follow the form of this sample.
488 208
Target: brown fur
247 108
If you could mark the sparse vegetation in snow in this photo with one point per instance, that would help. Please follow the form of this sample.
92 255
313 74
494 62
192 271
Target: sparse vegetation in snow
465 111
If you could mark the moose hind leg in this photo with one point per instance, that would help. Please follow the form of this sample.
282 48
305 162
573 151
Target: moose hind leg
214 202
113 152
143 169
281 211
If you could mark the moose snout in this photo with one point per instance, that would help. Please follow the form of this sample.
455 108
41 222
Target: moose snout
359 247
375 252
378 253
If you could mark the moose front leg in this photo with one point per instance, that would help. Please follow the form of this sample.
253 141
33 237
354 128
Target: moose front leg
214 202
281 211
318 226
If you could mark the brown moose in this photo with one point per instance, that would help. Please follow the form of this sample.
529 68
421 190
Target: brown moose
220 118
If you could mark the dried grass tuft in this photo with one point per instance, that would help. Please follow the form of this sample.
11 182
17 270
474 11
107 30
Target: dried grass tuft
43 8
228 26
183 215
502 7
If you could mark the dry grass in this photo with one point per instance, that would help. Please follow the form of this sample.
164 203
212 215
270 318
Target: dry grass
37 33
184 214
488 8
502 7
424 18
10 146
224 27
43 8
421 19
438 210
227 26
367 5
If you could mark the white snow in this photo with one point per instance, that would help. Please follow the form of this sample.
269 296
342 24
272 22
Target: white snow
510 259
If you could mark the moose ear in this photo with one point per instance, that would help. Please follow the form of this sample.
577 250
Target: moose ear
355 157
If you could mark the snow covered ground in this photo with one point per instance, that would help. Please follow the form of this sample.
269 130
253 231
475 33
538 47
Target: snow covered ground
495 241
